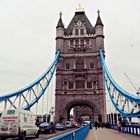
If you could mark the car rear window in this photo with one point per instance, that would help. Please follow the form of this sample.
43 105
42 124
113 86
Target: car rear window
44 124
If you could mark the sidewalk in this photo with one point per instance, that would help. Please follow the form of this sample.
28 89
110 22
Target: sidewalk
109 134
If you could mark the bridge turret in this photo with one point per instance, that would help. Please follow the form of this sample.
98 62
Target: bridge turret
60 34
99 32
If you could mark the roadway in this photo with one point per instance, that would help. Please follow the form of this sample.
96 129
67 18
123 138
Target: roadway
45 136
99 134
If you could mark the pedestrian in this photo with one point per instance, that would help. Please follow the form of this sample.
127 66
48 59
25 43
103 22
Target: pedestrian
119 127
90 125
96 125
123 126
101 124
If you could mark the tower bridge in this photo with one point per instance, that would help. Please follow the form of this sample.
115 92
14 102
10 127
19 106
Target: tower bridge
81 77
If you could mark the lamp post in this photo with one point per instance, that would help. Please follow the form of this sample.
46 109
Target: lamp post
138 94
52 112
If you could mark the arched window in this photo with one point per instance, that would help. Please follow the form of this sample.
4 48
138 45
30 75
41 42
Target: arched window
92 65
70 85
82 42
67 65
82 31
76 42
89 84
80 84
71 42
76 32
95 84
87 41
79 64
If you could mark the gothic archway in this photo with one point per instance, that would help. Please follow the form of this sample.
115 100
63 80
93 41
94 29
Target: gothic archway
75 103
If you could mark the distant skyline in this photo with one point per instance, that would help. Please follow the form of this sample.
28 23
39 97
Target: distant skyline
27 38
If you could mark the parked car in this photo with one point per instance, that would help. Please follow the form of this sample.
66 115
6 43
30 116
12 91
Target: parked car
60 126
47 128
74 124
68 124
79 125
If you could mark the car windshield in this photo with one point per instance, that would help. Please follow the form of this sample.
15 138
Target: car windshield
59 124
44 124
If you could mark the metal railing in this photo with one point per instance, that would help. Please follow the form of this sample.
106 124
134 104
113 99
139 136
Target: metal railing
78 134
130 129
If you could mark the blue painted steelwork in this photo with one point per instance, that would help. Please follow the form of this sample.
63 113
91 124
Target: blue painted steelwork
47 75
78 134
81 133
119 93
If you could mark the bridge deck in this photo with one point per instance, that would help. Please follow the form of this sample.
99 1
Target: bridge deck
109 134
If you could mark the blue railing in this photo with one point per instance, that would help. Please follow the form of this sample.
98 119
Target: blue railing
131 129
78 134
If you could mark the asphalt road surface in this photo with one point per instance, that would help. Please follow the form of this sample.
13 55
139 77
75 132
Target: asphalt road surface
45 136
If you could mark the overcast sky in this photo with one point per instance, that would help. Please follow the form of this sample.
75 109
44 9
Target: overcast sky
27 38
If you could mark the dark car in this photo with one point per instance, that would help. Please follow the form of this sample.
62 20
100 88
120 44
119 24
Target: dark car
47 128
60 126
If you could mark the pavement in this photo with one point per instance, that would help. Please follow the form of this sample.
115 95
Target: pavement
109 134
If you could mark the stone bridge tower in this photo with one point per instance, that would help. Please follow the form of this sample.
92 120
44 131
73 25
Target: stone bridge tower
79 76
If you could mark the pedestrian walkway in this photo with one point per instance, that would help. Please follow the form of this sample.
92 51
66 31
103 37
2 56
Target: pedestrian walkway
109 134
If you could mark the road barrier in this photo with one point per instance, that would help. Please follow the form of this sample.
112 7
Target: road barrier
131 129
78 134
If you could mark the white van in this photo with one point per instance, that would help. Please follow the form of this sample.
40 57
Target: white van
18 123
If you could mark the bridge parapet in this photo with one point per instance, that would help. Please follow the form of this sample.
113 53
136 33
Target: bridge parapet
131 129
78 134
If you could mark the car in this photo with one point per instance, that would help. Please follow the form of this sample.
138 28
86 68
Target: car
84 124
60 126
79 125
74 124
47 128
68 124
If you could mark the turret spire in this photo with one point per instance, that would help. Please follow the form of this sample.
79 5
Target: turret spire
60 14
98 12
99 21
60 23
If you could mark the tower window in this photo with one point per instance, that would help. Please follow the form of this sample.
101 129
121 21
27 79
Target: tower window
65 85
71 42
92 65
80 84
76 42
76 32
87 41
79 64
70 85
82 42
89 84
67 66
95 84
82 31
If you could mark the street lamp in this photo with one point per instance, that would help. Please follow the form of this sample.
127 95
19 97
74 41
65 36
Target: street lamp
51 112
138 94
